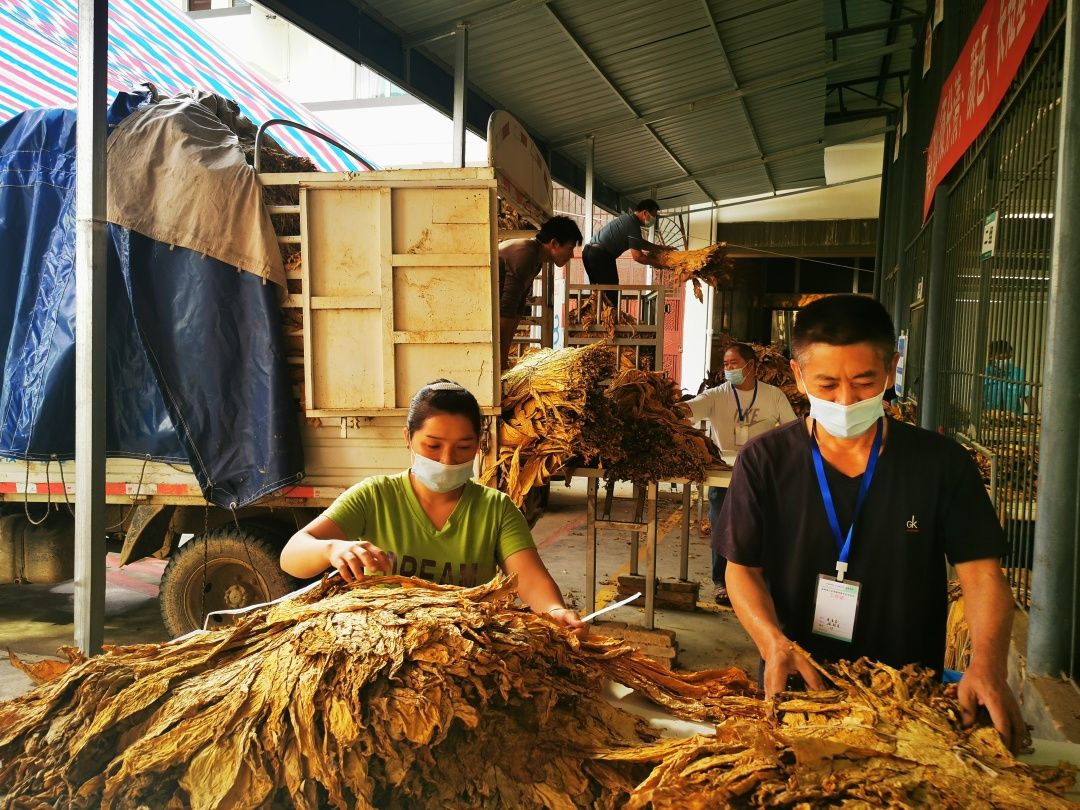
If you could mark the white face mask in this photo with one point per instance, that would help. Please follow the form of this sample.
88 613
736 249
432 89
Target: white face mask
847 421
735 376
439 477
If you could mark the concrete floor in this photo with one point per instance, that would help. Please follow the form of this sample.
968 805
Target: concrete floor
35 620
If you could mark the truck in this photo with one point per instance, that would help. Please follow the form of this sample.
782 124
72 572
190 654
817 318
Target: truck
391 281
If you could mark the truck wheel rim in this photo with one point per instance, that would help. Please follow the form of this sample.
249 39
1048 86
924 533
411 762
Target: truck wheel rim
230 584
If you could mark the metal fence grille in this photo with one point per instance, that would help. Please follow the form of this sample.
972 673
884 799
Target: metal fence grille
991 358
917 258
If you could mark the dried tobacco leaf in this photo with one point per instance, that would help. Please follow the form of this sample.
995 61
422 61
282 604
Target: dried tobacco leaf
397 693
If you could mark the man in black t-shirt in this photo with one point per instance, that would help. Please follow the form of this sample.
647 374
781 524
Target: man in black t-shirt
837 528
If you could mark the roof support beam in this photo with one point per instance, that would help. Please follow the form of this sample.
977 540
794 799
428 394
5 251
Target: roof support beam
848 116
811 71
894 74
742 163
584 53
869 28
735 86
363 36
492 13
890 38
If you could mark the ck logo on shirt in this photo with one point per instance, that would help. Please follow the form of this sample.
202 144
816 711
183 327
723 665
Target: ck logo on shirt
912 525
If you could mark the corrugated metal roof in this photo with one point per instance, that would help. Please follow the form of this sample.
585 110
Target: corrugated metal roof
703 99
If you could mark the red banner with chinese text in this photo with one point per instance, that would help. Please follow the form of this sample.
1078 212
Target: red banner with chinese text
978 82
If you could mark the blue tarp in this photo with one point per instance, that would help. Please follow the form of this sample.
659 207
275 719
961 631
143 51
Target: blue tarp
195 362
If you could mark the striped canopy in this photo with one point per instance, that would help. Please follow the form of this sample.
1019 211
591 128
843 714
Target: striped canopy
149 41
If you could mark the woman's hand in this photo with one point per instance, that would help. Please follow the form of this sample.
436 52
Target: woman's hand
350 557
569 619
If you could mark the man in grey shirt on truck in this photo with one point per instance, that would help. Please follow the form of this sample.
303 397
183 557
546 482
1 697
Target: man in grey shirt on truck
621 234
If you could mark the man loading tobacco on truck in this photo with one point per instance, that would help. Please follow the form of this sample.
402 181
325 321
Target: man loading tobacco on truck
520 261
837 528
621 234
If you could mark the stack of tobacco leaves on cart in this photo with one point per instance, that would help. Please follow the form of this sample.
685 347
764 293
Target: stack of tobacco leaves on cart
711 265
613 322
882 738
397 693
556 411
545 398
400 693
640 431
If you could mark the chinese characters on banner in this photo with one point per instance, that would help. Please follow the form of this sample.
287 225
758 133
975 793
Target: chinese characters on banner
978 82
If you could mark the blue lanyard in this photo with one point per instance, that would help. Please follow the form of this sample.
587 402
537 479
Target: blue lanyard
826 494
738 405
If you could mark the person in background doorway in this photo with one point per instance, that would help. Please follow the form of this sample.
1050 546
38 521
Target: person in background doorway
837 529
621 234
738 409
520 262
1003 387
432 520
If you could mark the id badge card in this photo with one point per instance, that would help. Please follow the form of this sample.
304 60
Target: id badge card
742 434
835 606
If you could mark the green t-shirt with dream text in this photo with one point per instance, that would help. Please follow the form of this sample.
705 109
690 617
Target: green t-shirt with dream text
483 530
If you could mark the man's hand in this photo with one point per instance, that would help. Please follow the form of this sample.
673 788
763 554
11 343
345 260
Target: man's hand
981 687
784 660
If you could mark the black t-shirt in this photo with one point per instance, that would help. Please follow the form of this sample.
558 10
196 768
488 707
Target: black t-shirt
926 503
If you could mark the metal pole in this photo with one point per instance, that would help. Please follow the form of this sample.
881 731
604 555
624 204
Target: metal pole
887 179
590 155
90 181
461 70
930 406
900 302
651 236
1053 620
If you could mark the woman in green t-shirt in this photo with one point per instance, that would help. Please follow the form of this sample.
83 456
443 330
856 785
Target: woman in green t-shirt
432 520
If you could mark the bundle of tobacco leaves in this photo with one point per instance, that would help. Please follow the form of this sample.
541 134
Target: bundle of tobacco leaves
586 318
512 220
396 693
543 413
710 264
640 431
555 410
881 738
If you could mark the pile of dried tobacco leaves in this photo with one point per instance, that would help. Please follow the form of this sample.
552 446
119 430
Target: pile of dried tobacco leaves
882 738
401 693
710 264
557 409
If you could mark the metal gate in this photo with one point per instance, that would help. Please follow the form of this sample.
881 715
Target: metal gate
995 296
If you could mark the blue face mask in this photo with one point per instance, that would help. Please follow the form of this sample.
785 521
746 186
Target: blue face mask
439 477
735 376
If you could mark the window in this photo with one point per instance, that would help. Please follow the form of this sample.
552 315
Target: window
209 5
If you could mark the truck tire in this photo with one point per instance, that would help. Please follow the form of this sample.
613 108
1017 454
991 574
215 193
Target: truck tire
241 569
